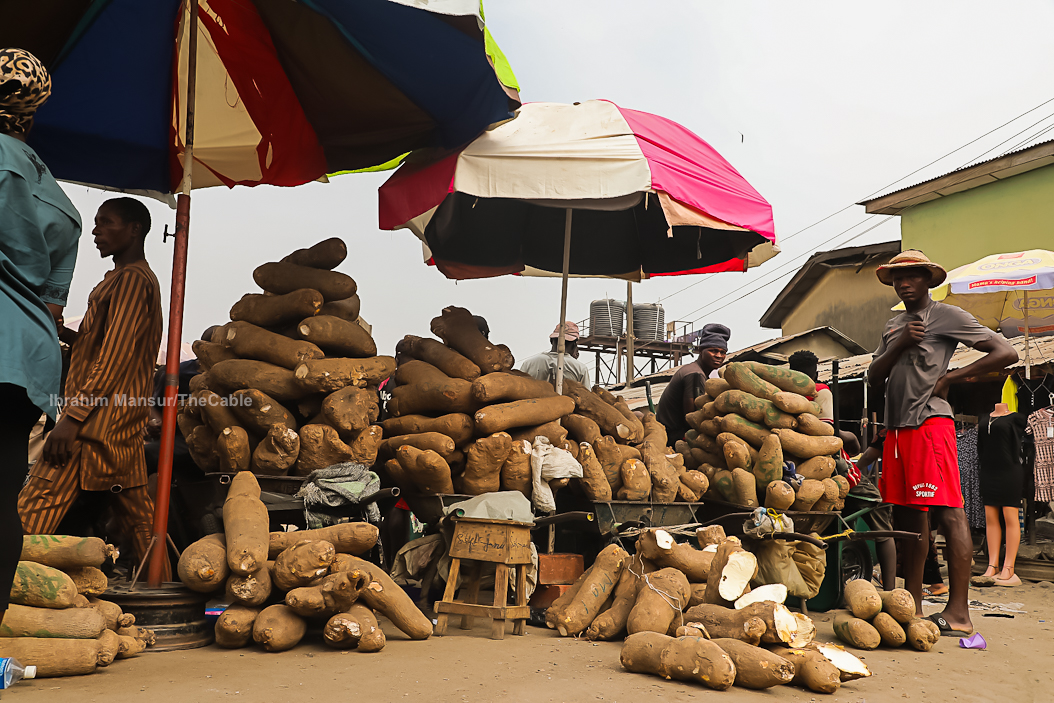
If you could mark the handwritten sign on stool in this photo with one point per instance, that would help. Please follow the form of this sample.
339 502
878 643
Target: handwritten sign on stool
502 542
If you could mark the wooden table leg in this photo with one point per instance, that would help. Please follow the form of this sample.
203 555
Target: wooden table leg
520 627
501 594
448 596
473 591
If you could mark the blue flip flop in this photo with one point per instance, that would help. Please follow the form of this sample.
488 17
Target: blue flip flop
946 629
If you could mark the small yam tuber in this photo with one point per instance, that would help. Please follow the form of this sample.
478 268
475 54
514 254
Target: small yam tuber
889 630
302 563
922 634
756 668
234 627
203 565
636 481
277 628
700 660
856 632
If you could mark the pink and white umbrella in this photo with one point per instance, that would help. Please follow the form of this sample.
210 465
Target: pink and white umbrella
589 189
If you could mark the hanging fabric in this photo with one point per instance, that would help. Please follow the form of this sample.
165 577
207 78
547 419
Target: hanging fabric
1010 393
1041 429
969 476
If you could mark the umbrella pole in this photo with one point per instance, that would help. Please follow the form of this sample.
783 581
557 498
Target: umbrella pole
175 322
560 345
629 334
1028 365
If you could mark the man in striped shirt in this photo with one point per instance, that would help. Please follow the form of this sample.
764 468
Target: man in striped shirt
97 444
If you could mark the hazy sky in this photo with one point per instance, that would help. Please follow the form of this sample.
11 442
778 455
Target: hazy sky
817 104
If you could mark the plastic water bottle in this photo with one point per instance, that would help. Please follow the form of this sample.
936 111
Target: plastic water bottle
11 671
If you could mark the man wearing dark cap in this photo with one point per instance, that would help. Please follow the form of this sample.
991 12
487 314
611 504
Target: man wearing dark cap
543 366
678 399
920 463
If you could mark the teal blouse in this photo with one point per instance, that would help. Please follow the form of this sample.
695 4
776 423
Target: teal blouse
39 232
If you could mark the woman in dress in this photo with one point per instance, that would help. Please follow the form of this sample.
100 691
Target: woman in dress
1002 476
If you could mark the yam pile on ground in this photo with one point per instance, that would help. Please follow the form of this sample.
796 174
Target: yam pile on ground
689 614
876 618
280 583
57 620
748 423
289 385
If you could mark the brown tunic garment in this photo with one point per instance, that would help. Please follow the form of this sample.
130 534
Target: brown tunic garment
110 380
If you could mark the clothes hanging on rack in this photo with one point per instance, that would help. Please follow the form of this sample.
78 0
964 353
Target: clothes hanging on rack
1034 393
1002 469
1010 393
966 441
1041 429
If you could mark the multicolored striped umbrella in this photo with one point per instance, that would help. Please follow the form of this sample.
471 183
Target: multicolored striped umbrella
649 198
286 91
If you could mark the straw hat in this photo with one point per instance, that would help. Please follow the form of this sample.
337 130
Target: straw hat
912 258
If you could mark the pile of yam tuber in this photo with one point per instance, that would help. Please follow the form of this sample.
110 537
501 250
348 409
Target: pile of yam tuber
747 424
56 620
689 614
887 618
279 583
289 385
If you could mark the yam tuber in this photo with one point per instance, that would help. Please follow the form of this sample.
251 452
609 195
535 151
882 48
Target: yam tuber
320 448
239 374
245 524
720 621
248 341
642 652
328 375
659 547
829 499
52 656
818 468
516 471
698 659
522 413
744 486
355 629
506 387
111 613
351 409
232 449
752 433
485 459
590 405
809 424
779 495
856 632
346 309
769 466
258 412
809 492
42 586
660 601
459 331
277 452
302 563
283 277
595 590
427 469
65 551
277 628
610 458
636 481
730 572
203 565
383 595
921 634
612 622
277 310
594 482
805 446
66 623
327 254
423 441
332 594
337 337
210 353
899 603
441 356
889 630
862 599
252 590
346 538
812 670
459 427
756 668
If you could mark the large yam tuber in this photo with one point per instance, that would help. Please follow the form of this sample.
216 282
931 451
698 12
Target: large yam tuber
347 309
215 410
779 495
780 623
355 629
507 387
249 341
805 446
769 466
320 448
753 433
862 599
427 469
594 482
818 468
277 452
245 525
441 444
42 586
333 594
899 603
741 377
346 538
720 621
516 471
855 632
664 481
636 481
659 547
594 592
67 623
642 652
277 310
786 379
696 481
328 375
716 386
552 431
258 412
252 590
327 254
211 353
423 389
283 277
483 467
921 634
813 426
383 595
203 565
441 356
612 622
457 426
724 485
698 659
730 573
351 409
65 551
812 670
277 628
581 428
233 450
809 492
239 374
744 485
201 444
659 602
51 656
889 630
756 668
337 337
590 405
302 563
459 331
522 413
610 458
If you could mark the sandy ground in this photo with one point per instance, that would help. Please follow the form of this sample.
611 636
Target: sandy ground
468 666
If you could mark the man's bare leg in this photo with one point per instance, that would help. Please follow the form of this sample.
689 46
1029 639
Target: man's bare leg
915 551
960 553
887 559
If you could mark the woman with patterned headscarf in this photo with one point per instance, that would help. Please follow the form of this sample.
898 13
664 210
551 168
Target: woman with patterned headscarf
39 229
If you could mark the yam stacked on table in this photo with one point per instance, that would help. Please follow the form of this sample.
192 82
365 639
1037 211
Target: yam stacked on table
56 621
747 424
290 384
689 614
277 583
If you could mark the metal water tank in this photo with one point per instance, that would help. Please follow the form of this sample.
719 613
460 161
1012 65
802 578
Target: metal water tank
649 321
606 318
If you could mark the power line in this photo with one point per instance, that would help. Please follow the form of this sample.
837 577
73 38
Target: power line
1011 137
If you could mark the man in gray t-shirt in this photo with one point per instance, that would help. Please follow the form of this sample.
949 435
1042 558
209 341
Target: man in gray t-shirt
920 470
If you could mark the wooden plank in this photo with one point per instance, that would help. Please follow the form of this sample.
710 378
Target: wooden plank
476 573
509 612
492 541
448 595
501 594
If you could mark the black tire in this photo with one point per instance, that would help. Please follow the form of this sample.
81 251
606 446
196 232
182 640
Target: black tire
856 562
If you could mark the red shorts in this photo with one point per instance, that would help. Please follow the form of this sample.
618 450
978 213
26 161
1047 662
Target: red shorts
920 466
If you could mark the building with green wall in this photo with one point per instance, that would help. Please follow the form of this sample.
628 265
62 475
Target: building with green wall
1002 205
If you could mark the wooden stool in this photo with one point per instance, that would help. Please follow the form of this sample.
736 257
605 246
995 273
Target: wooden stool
502 542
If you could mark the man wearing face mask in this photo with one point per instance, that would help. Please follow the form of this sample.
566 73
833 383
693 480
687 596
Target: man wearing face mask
678 399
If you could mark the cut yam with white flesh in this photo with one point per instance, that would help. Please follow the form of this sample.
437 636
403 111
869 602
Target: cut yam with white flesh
65 623
780 624
730 574
805 634
245 523
812 670
65 551
848 664
775 592
659 547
